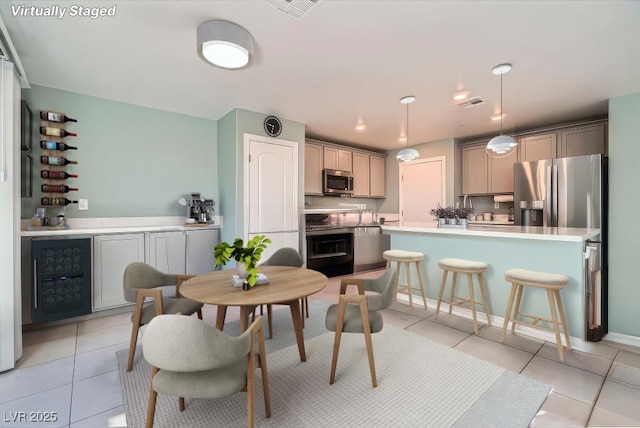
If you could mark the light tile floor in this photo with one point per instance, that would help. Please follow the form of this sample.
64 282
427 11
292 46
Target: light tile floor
72 370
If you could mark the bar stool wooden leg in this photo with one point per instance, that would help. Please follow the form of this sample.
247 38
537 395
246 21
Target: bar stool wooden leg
562 318
507 316
407 268
554 317
453 289
516 311
424 298
484 298
442 285
473 302
395 293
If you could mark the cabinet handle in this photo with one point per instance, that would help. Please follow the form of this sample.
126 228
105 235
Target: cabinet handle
35 283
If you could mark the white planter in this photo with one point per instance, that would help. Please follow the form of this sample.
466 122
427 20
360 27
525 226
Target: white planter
242 270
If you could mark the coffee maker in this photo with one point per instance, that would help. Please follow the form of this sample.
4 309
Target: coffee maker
199 209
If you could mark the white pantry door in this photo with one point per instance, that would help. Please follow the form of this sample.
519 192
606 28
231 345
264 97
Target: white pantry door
272 205
422 188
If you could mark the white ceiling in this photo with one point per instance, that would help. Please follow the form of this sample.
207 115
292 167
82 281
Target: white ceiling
348 61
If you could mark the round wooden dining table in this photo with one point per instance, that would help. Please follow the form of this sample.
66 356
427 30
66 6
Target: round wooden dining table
286 286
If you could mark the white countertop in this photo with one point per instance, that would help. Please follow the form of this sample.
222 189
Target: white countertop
106 225
517 232
329 210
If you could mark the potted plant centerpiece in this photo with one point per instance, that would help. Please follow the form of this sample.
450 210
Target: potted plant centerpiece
463 215
246 256
440 213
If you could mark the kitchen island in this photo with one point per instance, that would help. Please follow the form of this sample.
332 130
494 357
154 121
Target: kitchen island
556 250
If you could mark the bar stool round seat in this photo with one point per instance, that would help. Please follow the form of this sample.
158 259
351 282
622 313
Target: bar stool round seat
552 283
463 265
470 268
403 257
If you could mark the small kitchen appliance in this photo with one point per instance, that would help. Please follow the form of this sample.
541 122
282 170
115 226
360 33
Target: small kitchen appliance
198 208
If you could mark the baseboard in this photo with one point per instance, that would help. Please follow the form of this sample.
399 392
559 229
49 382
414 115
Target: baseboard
496 321
624 339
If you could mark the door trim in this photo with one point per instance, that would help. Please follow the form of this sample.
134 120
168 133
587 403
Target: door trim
443 160
245 172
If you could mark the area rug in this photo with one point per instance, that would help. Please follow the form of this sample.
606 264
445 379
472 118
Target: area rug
420 384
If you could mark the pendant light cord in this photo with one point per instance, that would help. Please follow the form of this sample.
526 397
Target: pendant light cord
407 145
501 115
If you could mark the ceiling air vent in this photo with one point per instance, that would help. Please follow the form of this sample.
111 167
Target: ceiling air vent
295 8
471 102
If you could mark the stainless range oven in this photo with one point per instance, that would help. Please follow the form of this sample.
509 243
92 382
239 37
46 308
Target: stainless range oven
330 251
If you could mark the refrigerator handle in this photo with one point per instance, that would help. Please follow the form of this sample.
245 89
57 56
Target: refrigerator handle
554 211
548 216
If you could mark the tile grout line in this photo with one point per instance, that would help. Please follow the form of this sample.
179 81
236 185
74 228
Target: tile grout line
595 401
73 375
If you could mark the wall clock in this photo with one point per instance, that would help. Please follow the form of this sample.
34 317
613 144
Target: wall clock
272 126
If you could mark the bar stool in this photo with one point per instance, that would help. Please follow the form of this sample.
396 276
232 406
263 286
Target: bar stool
551 282
406 258
470 268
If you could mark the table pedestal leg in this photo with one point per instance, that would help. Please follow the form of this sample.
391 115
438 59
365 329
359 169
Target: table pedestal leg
222 313
294 305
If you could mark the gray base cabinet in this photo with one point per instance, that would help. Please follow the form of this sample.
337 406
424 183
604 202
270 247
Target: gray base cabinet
199 250
111 255
167 252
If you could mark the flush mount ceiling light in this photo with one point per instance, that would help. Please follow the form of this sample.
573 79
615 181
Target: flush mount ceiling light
407 154
225 44
502 145
360 126
460 95
497 117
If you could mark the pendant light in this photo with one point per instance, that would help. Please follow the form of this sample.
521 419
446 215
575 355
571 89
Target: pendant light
407 154
502 145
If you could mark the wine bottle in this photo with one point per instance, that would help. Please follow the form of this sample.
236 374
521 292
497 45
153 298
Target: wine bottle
56 175
58 202
54 145
51 160
56 188
56 132
55 117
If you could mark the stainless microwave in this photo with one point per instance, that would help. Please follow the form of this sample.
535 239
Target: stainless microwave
335 182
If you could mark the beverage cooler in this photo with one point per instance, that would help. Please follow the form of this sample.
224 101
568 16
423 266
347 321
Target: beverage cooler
61 278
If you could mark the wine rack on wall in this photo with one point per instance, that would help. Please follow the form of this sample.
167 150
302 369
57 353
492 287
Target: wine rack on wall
53 138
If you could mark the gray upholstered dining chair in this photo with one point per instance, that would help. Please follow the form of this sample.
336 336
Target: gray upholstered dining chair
191 359
286 256
141 281
360 313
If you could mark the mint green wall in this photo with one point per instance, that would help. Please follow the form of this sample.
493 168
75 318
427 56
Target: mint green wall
132 160
624 203
227 167
231 130
447 148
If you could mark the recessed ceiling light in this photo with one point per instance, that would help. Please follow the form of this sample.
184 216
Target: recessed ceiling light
460 95
402 139
497 117
361 126
501 69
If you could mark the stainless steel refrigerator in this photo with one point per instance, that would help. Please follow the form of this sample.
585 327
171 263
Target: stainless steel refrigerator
571 192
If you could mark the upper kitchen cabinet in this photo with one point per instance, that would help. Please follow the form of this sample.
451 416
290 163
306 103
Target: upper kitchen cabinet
583 140
537 147
483 174
361 166
377 177
313 164
500 173
474 169
335 158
